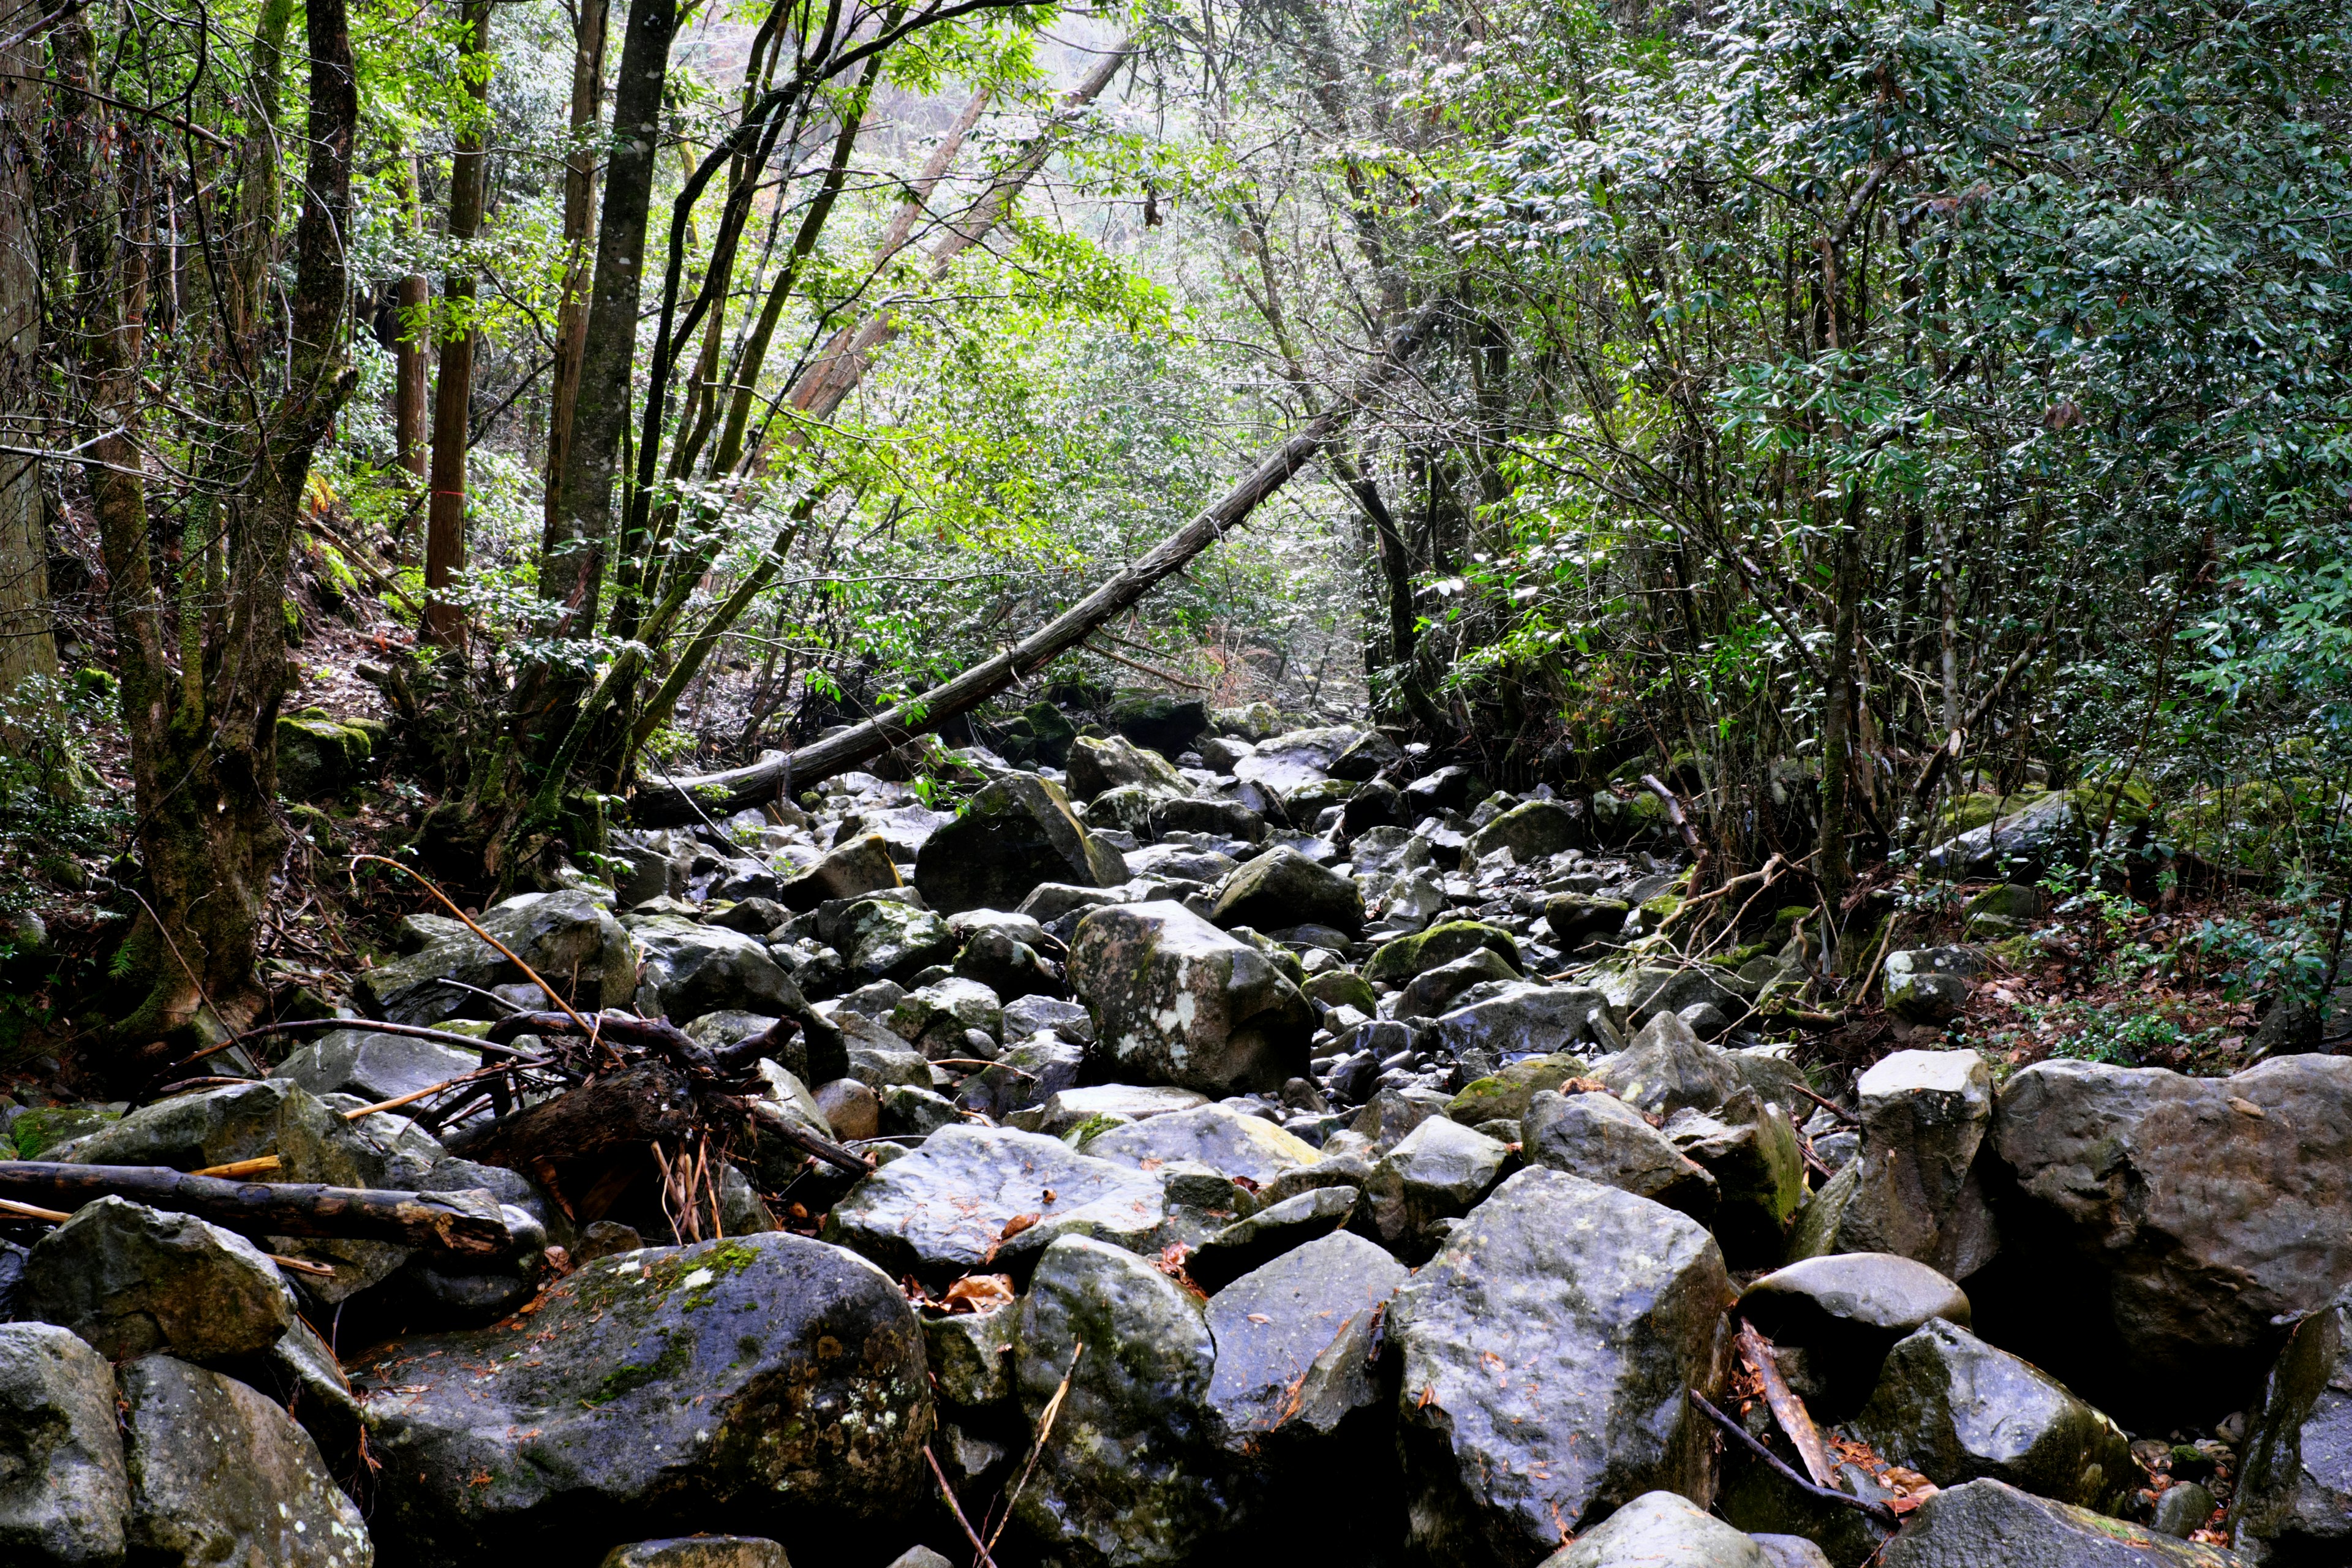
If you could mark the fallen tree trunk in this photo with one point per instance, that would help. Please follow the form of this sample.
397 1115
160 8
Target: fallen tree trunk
618 1112
677 800
467 1222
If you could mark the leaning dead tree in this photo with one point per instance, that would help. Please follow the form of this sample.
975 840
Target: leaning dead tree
678 800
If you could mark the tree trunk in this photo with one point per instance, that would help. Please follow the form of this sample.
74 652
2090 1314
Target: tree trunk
579 235
27 645
453 394
1831 867
413 357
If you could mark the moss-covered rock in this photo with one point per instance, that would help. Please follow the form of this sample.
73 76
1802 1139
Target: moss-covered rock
1397 961
320 755
1343 988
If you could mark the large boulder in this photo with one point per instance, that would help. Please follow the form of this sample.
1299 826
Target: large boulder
1507 1022
1282 887
376 1067
1668 1067
1433 991
1438 1171
1547 1352
1134 1475
1930 984
952 1204
1295 1341
64 1495
1100 764
1659 1529
1916 1194
1012 836
2199 1213
133 1280
1166 724
2295 1490
859 865
220 1475
1216 1136
759 1380
1601 1139
1397 961
561 935
1990 1522
888 938
692 969
1535 831
1293 764
1844 1312
1176 1001
1956 1409
1751 1149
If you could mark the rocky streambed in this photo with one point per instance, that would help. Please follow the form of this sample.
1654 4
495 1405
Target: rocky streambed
1275 1154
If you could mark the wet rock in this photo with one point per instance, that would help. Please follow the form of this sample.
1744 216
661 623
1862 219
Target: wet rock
1177 1001
1438 1171
1282 887
2001 911
1989 1522
2294 1500
1521 1018
2027 842
1216 1136
238 1121
1598 1309
1601 1139
1181 863
1790 1551
219 1474
909 1111
934 1018
970 1356
1846 1311
2202 1210
375 1067
1227 819
319 756
1750 1150
852 1109
946 1208
1666 1069
1660 1528
1433 992
1014 835
1104 762
2183 1508
1956 1409
64 1495
559 934
1133 1477
1535 831
1294 1341
1643 993
1916 1191
1341 988
700 1551
753 1383
133 1280
1277 1228
690 969
1929 985
861 865
1026 1015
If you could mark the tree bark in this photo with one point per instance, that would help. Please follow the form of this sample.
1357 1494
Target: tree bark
414 358
453 394
465 1222
579 235
1832 866
28 644
678 799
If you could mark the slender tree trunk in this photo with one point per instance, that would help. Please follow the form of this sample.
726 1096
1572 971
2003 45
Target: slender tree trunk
413 357
453 394
579 235
28 645
1831 867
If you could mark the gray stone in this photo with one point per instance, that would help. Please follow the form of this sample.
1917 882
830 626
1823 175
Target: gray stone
700 1551
909 1111
934 1018
1134 1476
1100 763
1956 1409
1438 1171
2294 1489
1644 993
945 1209
2205 1210
218 1474
1294 1339
64 1496
1846 1310
861 865
1397 961
1751 1149
2183 1508
919 1557
1535 831
2023 844
375 1067
1517 1019
884 939
1546 1352
1176 1001
755 1381
1990 1522
1281 887
1505 1096
1215 1135
1601 1139
1027 1073
133 1280
1657 1528
1930 984
237 1121
970 1356
1666 1067
1276 1228
1433 992
559 934
1111 1103
1916 1194
1790 1551
692 969
1014 835
1026 1015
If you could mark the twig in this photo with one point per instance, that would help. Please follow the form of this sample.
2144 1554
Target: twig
956 1507
260 1166
300 1265
1876 1510
1831 1106
1787 1408
1045 1430
361 1025
1682 824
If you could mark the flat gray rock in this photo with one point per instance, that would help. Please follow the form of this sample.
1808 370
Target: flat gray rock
133 1281
1216 1136
376 1067
1990 1523
1657 1529
1294 1339
1601 1139
2294 1485
64 1495
1438 1171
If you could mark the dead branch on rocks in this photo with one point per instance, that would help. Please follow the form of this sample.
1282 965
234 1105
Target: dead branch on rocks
469 1223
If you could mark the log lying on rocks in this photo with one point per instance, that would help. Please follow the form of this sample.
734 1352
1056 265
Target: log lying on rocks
467 1222
610 1113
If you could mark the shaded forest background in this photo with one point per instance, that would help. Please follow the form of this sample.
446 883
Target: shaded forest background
1863 417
